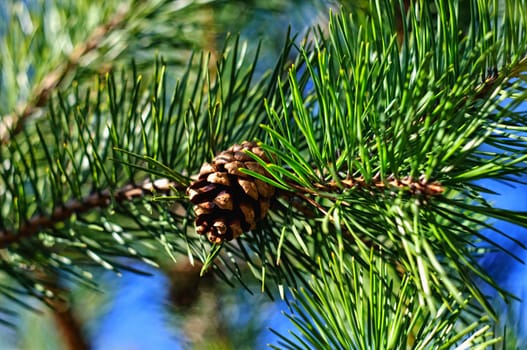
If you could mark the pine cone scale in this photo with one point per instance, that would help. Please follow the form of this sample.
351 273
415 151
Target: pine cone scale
201 194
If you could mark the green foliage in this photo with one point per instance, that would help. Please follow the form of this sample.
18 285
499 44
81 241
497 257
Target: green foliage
370 310
80 153
375 131
379 110
35 39
45 45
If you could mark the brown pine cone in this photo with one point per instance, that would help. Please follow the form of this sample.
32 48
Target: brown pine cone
228 202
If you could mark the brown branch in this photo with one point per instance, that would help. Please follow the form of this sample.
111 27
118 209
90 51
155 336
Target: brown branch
163 186
411 186
77 206
14 123
68 324
70 329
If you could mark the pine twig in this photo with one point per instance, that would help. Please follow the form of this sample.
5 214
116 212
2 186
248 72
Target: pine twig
305 195
412 186
101 199
129 192
12 124
69 327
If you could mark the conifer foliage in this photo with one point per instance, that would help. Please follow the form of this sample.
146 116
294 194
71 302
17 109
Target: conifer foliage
345 179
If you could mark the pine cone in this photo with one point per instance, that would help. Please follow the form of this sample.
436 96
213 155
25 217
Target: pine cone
228 202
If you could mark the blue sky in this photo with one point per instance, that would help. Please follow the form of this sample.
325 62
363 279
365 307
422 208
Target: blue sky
137 318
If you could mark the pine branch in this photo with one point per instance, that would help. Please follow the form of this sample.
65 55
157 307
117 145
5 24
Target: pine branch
135 27
93 201
406 184
12 124
68 326
67 322
369 310
363 129
91 150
